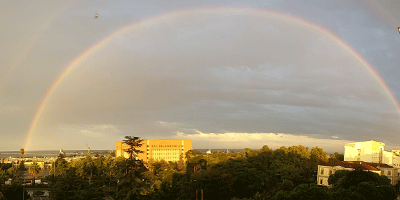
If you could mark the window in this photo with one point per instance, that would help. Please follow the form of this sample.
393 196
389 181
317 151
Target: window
389 173
320 181
322 171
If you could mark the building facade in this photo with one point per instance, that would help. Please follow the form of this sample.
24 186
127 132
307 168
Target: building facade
371 151
168 150
369 156
368 151
324 171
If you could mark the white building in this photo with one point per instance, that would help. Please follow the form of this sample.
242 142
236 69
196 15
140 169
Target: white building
324 171
371 151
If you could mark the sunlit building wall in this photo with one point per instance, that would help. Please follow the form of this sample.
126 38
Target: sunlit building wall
368 151
371 151
168 150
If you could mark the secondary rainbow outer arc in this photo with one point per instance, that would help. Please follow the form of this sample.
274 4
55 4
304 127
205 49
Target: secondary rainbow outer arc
182 13
377 7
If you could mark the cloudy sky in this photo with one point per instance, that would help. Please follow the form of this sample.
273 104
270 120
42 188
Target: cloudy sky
224 74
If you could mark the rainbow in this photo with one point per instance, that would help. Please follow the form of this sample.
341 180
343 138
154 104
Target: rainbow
182 13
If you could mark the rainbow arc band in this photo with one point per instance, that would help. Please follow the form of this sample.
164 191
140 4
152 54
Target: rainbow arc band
78 61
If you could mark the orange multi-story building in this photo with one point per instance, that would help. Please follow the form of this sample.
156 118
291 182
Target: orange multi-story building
168 150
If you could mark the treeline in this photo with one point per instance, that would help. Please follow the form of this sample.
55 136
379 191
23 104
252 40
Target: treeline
256 174
252 174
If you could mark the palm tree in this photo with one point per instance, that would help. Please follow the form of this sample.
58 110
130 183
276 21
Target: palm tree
34 170
22 151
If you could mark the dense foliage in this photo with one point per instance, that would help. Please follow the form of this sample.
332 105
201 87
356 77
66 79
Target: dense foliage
346 185
251 174
284 173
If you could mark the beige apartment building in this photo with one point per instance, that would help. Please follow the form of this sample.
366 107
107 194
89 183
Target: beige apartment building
168 150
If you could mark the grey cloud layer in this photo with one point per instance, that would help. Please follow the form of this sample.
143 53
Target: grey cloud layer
224 72
225 75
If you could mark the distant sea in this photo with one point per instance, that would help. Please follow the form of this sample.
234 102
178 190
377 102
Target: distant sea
219 150
54 153
50 153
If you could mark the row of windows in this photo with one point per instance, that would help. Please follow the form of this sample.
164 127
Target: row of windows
165 149
322 171
389 173
159 154
166 158
165 145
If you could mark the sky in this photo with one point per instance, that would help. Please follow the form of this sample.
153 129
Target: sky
224 74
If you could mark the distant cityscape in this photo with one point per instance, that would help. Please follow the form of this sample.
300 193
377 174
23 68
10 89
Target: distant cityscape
55 153
367 156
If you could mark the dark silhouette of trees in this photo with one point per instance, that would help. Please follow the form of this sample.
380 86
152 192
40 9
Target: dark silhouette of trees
335 157
286 173
132 183
304 192
134 143
347 179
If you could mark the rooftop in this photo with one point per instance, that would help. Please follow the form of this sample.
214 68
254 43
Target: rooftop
359 165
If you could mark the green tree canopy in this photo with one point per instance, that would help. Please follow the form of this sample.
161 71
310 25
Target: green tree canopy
33 170
372 191
134 143
265 148
355 177
304 192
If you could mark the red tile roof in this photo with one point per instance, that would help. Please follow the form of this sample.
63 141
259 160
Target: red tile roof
359 164
380 165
